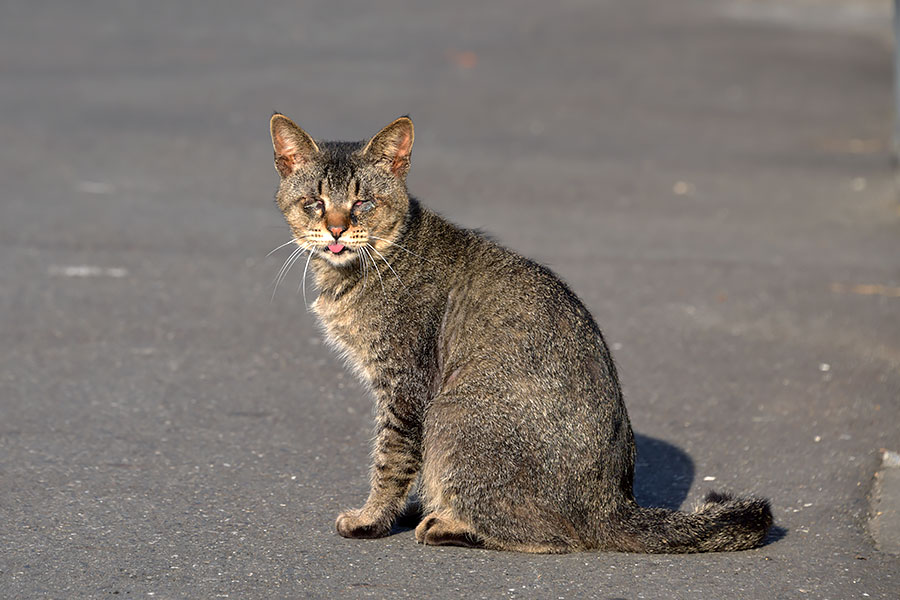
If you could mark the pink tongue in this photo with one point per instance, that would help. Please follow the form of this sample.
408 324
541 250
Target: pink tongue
336 248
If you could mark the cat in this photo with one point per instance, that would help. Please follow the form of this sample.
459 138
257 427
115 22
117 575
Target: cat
496 396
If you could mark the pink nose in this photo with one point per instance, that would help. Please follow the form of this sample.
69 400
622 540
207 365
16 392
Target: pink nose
337 230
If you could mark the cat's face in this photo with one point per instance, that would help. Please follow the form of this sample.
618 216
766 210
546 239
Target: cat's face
342 200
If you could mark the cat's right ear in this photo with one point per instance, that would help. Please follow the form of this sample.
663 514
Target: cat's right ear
293 146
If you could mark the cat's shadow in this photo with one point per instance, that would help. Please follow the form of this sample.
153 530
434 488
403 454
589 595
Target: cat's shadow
663 475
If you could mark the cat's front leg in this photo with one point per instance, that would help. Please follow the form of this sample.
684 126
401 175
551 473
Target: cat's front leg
397 458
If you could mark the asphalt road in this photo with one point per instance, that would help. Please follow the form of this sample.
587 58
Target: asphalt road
711 177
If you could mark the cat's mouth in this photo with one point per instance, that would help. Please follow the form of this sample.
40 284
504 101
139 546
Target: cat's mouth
338 253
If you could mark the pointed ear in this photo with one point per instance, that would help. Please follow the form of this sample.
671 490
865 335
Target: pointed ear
293 146
392 147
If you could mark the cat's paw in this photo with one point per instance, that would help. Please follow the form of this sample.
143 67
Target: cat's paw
424 525
353 524
435 530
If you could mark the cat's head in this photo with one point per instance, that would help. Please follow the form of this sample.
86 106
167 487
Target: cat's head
339 197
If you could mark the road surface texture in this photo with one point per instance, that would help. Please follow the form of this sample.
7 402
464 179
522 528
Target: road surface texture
712 177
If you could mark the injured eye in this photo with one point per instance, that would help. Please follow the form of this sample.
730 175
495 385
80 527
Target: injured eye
314 206
363 206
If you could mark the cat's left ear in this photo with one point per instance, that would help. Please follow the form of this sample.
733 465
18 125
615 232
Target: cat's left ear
392 146
293 146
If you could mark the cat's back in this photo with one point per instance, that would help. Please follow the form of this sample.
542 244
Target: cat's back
513 316
475 265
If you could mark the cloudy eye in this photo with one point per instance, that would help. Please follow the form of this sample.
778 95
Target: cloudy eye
314 206
362 206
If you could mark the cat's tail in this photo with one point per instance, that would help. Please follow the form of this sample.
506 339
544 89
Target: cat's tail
721 523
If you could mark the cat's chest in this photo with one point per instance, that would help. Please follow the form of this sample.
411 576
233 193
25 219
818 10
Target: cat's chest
351 331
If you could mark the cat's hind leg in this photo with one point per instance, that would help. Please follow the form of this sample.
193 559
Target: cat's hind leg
443 529
482 489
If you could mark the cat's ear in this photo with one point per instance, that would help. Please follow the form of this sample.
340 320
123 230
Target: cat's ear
391 147
293 146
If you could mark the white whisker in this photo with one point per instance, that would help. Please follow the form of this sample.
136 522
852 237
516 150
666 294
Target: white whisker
387 263
377 272
290 241
293 262
303 281
375 237
284 268
365 266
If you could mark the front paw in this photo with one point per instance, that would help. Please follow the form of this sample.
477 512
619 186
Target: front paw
354 524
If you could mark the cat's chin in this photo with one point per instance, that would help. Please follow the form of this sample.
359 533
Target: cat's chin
343 258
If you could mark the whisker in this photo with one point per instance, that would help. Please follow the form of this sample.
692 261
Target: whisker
377 272
303 281
293 262
292 259
365 266
284 264
387 263
375 237
284 267
290 241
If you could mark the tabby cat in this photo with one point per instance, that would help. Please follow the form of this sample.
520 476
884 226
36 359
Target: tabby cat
495 393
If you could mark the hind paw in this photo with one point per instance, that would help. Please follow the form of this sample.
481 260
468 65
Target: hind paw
439 530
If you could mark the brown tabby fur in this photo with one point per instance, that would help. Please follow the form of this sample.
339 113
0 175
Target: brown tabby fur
494 388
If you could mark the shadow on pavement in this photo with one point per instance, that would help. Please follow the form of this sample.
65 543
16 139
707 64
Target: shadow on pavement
776 533
663 477
663 473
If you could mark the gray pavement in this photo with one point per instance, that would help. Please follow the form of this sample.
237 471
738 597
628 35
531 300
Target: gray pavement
711 177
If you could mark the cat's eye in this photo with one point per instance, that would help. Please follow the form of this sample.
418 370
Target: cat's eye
313 206
361 206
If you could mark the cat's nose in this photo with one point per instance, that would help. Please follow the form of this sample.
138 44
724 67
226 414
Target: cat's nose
336 230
